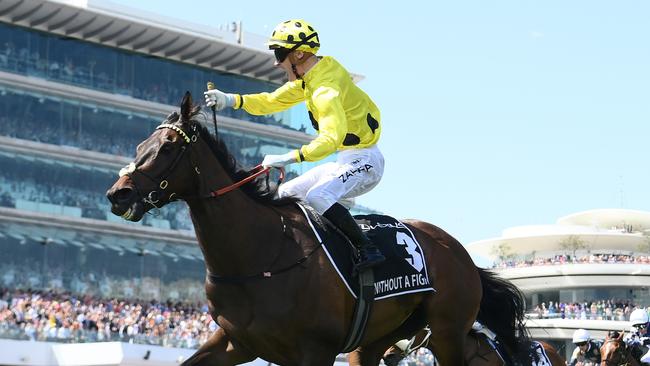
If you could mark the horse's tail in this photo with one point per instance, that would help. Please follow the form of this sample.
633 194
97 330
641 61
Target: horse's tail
502 311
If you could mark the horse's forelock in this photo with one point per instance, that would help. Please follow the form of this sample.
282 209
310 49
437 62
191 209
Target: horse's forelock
172 117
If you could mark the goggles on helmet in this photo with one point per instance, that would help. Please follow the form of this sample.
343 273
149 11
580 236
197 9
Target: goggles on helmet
281 54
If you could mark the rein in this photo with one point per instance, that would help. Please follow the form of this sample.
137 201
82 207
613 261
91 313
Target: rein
258 170
153 198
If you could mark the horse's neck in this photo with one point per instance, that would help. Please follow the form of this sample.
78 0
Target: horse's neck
233 230
236 233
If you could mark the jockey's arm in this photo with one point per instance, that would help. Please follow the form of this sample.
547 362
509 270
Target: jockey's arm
574 357
332 125
284 97
631 338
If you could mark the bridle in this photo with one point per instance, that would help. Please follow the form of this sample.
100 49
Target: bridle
618 355
154 197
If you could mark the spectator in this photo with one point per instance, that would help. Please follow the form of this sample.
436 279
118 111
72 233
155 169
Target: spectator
62 317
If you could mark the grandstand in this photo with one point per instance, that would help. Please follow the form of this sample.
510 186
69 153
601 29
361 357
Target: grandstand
589 270
81 84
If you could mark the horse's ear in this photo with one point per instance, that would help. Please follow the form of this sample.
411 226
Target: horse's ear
620 336
186 106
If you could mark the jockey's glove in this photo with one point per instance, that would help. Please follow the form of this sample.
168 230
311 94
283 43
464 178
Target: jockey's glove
218 99
279 161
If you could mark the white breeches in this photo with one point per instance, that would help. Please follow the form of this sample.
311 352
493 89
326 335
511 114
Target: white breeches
355 172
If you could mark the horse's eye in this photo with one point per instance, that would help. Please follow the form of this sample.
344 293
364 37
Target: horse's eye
166 147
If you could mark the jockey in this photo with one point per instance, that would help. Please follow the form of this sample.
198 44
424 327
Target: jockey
639 337
346 119
587 349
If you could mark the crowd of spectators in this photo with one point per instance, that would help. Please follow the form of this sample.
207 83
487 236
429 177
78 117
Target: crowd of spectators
561 259
66 318
63 317
603 309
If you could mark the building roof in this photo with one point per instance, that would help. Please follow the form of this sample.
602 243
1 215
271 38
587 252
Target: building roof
134 30
605 230
609 218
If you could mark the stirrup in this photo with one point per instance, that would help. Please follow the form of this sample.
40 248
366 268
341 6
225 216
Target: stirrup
371 261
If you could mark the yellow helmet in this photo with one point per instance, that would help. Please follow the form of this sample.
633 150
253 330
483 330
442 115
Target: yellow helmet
295 34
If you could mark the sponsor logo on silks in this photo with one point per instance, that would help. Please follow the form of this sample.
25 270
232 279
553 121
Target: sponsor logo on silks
352 172
366 226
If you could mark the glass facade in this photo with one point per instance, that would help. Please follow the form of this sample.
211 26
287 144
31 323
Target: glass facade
43 185
70 61
52 120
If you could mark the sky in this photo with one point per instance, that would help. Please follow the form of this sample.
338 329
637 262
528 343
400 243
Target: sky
494 113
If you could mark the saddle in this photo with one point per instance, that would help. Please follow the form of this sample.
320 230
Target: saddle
404 270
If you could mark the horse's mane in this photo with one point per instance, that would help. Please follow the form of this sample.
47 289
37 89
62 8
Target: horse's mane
258 188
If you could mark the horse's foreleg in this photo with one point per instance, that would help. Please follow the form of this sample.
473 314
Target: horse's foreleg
219 350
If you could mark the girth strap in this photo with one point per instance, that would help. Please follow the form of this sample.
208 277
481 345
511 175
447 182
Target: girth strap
361 310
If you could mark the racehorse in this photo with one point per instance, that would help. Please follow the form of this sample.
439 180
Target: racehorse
615 352
478 351
270 289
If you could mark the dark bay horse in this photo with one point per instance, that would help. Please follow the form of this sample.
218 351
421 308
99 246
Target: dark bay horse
615 352
478 352
278 297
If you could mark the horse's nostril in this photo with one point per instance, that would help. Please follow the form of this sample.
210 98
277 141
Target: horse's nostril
121 195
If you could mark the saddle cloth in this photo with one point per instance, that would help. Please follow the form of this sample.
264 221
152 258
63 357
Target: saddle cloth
537 352
542 358
404 270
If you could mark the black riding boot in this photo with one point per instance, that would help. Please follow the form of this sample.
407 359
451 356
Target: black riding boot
369 255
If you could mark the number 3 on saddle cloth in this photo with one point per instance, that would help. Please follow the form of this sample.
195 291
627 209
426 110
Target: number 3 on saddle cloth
404 270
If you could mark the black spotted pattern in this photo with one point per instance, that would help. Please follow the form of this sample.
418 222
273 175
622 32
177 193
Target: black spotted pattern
313 120
372 123
351 140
